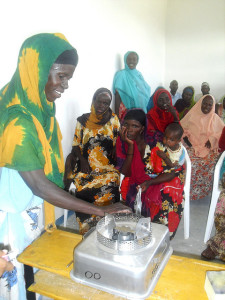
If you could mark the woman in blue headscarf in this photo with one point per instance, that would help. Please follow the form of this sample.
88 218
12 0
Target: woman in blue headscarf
129 87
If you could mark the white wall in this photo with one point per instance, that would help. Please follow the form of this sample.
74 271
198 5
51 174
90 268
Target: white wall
101 30
175 39
195 44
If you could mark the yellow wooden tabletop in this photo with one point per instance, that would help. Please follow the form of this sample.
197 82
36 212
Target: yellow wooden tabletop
52 252
182 279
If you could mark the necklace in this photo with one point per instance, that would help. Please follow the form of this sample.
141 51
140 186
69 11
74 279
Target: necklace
174 151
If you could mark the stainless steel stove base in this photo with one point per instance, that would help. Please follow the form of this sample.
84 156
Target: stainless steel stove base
132 276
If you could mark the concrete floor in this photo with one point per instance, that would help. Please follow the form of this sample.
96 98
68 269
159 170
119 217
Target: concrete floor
198 218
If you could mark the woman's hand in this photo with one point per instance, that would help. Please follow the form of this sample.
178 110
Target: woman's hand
123 134
173 111
4 264
208 144
116 208
84 165
144 186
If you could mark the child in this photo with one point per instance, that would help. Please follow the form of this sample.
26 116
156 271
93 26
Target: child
171 151
8 273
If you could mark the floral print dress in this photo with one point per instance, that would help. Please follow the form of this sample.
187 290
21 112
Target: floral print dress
162 202
217 242
101 186
202 170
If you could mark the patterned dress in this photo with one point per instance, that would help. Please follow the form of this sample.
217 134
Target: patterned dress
30 139
101 186
163 202
202 171
217 242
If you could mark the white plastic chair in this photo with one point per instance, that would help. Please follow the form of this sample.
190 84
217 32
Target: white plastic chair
214 198
186 192
71 191
187 187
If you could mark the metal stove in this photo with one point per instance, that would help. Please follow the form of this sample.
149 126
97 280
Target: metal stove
124 255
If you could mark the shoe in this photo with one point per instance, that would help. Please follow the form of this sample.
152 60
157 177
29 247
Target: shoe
208 254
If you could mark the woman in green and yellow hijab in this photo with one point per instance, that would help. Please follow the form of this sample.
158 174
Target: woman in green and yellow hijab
184 104
31 159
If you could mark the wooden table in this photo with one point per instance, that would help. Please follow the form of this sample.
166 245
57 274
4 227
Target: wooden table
182 279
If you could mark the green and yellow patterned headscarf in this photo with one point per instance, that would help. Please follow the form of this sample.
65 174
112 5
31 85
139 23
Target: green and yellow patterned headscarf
30 138
185 110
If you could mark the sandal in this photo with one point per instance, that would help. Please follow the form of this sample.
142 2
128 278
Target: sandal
208 254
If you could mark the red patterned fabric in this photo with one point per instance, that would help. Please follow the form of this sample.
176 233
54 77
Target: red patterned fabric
162 202
124 187
158 119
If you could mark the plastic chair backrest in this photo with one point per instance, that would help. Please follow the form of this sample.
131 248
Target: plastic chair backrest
187 187
214 197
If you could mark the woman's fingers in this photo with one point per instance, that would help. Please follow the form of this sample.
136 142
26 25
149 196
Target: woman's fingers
117 208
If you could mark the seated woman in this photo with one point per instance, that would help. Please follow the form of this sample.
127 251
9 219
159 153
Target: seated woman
162 196
161 115
187 101
93 156
150 102
220 108
202 130
216 245
129 87
222 141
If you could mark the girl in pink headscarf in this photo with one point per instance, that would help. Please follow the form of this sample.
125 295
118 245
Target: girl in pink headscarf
202 131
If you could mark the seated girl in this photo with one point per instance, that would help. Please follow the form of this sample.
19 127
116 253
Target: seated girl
202 131
162 196
170 151
93 157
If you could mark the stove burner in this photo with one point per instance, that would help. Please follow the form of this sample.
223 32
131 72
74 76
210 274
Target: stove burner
124 232
122 236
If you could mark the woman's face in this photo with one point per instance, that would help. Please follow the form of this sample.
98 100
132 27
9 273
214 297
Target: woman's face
132 61
134 129
102 103
207 104
58 78
163 101
187 95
